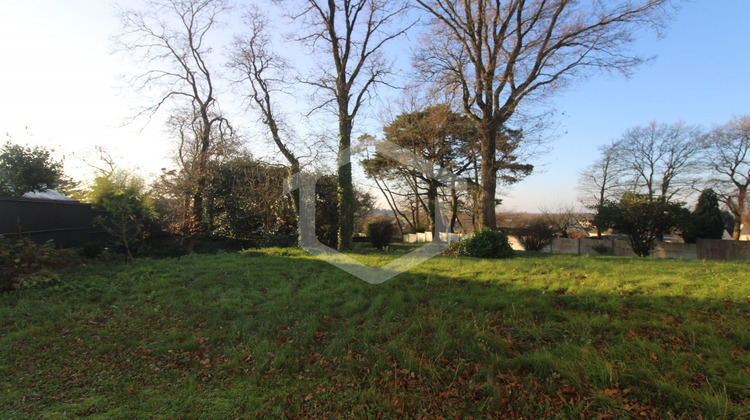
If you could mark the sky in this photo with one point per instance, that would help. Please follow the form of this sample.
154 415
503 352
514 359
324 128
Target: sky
62 88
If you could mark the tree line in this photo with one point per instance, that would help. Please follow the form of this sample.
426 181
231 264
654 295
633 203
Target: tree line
641 180
478 66
486 58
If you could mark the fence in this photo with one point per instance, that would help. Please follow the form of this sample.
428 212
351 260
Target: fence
67 223
709 249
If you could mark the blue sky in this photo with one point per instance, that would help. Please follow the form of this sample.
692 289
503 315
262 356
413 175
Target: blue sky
701 75
59 79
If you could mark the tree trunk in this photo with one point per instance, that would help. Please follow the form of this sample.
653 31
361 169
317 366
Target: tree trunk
415 215
454 209
124 235
293 170
737 228
739 213
195 219
345 188
741 208
294 167
489 176
432 211
195 225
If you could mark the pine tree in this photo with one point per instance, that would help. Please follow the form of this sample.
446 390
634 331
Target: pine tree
705 221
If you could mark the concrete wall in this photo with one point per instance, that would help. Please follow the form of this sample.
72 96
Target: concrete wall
621 248
710 249
717 249
565 246
597 247
676 251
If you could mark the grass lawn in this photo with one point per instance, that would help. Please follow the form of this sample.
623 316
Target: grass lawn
278 333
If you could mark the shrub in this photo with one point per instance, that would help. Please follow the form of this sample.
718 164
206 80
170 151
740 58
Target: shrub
645 220
167 248
37 279
22 257
379 232
92 250
278 240
487 243
453 250
536 236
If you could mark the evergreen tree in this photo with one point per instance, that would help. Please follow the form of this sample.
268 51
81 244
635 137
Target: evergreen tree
26 169
706 220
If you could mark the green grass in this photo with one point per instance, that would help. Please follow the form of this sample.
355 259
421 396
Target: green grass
278 333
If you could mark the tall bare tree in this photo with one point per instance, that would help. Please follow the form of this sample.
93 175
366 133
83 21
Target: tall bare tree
729 154
264 72
660 161
600 180
353 34
497 54
170 37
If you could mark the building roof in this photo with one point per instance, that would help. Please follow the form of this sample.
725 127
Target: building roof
48 195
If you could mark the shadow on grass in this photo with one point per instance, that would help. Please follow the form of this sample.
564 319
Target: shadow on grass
277 332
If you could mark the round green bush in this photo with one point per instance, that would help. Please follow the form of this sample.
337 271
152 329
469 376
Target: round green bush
380 232
487 243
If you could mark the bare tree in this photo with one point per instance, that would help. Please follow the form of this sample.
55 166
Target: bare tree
193 161
729 154
352 33
601 180
170 38
264 72
495 55
660 160
565 218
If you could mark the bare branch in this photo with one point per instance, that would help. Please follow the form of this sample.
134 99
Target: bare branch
168 37
495 55
729 156
353 34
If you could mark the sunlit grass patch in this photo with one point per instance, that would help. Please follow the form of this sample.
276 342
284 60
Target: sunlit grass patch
276 332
